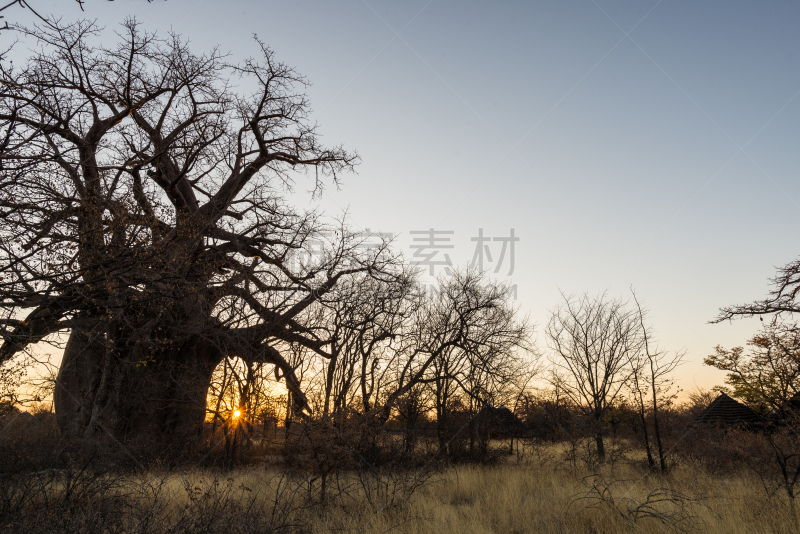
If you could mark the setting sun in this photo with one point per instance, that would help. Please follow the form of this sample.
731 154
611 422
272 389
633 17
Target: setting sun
237 413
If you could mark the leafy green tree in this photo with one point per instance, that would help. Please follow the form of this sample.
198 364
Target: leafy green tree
768 374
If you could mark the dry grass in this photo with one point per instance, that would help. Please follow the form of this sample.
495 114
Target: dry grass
531 497
533 492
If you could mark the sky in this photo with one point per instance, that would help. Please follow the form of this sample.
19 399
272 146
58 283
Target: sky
650 145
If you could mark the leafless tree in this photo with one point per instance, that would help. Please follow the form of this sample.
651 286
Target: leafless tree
463 341
10 379
28 4
652 368
142 210
363 318
447 396
389 342
593 341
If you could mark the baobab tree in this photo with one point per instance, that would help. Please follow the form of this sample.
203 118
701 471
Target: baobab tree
143 213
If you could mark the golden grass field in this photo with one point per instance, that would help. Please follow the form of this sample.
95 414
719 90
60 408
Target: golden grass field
538 489
520 494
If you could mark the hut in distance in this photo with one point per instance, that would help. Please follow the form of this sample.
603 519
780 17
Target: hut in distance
726 412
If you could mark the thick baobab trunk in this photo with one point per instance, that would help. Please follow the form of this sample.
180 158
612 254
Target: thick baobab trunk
77 382
155 406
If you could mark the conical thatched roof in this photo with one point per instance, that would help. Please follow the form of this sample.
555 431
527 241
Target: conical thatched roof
503 419
504 416
724 411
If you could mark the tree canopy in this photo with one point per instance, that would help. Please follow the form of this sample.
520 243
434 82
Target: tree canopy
142 209
769 373
144 212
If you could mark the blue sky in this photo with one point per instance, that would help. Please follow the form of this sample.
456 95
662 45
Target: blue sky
646 144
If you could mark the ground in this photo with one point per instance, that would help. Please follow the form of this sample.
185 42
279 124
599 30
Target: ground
534 490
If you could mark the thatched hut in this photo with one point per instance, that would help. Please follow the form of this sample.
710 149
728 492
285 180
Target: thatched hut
494 423
726 412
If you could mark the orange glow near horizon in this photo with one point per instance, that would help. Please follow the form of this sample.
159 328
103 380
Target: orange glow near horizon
268 391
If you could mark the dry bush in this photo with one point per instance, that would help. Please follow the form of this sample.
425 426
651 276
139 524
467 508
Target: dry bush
28 440
531 492
671 508
91 501
529 498
355 464
356 478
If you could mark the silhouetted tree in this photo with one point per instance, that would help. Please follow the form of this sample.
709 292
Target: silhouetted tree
770 375
28 4
363 319
593 341
650 378
142 211
782 297
468 328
